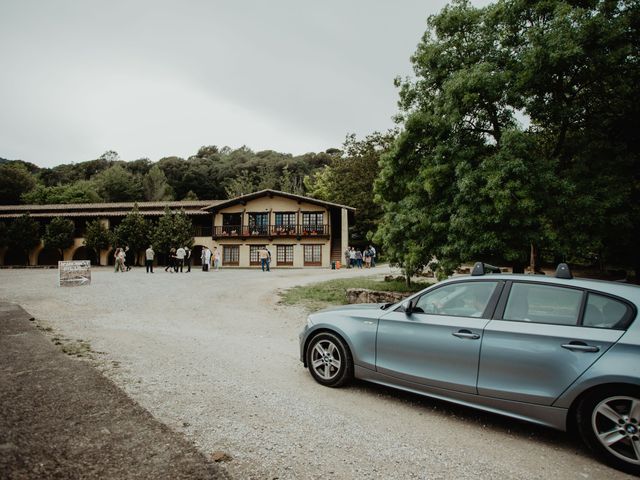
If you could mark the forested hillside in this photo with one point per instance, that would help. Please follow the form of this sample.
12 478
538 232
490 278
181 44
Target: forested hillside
212 173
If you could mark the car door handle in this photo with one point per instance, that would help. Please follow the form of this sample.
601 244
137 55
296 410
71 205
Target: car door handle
466 334
580 347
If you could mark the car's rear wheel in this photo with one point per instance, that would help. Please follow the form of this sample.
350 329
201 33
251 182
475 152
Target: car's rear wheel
609 423
329 360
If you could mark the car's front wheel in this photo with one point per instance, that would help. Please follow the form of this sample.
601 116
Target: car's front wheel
609 423
329 360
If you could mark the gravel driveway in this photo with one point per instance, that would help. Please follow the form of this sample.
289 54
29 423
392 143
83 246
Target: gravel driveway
213 355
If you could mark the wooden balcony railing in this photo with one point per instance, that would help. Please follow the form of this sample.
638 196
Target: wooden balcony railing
200 231
271 231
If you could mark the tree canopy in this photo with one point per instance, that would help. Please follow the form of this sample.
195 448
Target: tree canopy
59 234
517 134
98 237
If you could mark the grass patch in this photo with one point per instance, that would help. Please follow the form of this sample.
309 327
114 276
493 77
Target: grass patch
334 292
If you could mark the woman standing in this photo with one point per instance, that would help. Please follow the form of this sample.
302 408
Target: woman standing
171 258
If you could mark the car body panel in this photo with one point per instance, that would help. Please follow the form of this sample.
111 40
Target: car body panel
618 365
526 362
553 417
356 324
421 348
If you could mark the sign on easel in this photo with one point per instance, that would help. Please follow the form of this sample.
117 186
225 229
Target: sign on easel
74 273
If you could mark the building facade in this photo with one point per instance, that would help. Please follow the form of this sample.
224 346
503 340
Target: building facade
298 231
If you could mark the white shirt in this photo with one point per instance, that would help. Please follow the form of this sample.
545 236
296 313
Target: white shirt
180 253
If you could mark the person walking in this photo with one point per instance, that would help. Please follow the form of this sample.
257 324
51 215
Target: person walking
263 254
373 255
347 257
206 259
359 258
216 258
121 260
352 257
367 258
180 254
128 258
171 258
149 254
187 258
116 260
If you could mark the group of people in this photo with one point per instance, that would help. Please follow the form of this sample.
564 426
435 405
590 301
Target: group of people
210 259
177 259
355 258
122 259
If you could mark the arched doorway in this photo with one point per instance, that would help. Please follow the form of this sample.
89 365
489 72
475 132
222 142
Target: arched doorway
84 253
196 254
49 256
15 257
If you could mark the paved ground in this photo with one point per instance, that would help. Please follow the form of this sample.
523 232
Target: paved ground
214 356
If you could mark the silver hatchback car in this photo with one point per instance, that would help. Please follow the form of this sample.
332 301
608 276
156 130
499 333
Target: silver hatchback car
561 352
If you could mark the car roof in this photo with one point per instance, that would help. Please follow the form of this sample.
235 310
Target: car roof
620 289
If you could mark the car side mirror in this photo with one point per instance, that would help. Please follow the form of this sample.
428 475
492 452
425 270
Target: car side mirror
408 307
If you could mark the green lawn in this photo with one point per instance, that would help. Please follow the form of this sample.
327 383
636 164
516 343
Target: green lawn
334 292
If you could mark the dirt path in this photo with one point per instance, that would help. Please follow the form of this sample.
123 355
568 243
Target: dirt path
212 355
60 418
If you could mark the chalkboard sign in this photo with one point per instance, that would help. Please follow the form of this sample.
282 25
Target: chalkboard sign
74 273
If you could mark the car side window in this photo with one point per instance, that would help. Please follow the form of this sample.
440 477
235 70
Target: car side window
529 302
605 312
468 299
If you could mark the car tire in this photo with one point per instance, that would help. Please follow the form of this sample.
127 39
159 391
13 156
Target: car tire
329 360
608 422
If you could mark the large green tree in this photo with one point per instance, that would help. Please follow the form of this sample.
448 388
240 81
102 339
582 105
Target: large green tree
59 234
348 180
117 184
174 229
15 180
133 232
516 136
155 185
24 234
98 237
81 191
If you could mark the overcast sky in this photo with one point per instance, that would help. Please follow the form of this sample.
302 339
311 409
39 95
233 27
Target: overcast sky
154 78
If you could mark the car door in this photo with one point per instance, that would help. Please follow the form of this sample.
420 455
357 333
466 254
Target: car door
539 345
438 343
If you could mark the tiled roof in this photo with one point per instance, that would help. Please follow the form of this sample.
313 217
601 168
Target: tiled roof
262 193
191 207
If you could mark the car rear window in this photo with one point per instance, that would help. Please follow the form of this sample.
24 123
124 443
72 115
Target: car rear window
605 312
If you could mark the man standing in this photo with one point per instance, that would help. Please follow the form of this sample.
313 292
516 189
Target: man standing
373 255
206 258
149 255
187 258
180 254
264 258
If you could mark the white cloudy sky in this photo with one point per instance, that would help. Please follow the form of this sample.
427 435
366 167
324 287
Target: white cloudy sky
153 78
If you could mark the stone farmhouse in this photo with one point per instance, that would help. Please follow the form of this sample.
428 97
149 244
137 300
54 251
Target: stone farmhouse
299 231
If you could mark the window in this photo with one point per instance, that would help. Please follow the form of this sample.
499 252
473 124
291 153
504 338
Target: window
312 223
284 254
543 304
605 312
468 299
254 254
285 219
258 223
313 254
231 254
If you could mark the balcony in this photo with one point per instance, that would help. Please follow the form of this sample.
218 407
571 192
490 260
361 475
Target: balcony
271 231
200 231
